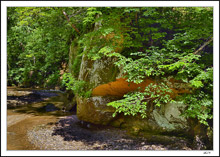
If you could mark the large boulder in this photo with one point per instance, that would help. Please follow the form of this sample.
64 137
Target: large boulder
94 109
95 73
104 79
166 119
106 83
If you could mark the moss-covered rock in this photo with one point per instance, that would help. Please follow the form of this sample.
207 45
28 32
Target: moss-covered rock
97 72
166 120
94 109
101 72
74 59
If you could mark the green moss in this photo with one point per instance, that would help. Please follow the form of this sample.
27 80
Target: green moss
76 66
78 87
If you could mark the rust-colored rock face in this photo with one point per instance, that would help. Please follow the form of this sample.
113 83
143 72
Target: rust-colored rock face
118 87
121 87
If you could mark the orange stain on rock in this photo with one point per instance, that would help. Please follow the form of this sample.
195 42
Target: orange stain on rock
118 87
121 87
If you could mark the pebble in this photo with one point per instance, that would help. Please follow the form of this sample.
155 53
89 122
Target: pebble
71 136
67 134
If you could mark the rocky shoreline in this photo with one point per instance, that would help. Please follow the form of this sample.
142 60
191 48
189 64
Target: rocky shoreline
71 134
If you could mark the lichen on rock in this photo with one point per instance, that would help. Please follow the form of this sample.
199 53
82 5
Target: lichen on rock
94 109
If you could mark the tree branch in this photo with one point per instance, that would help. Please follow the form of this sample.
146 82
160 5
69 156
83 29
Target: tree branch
74 27
204 45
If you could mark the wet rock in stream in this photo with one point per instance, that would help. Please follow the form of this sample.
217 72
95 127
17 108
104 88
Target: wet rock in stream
50 107
71 134
17 98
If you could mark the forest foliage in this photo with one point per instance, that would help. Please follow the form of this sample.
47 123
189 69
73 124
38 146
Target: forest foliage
154 42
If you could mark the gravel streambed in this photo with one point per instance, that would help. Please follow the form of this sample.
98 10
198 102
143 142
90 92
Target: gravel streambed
71 134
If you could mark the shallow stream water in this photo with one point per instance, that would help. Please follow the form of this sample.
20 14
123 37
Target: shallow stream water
25 111
30 127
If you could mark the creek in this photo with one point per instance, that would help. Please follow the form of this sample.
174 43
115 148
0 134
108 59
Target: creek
25 110
36 121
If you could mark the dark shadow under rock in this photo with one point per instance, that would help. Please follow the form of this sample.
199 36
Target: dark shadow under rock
109 138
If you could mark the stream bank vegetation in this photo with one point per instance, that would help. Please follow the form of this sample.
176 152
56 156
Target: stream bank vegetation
148 42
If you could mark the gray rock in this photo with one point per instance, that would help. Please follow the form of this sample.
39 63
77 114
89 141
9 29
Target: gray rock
171 119
50 107
95 110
